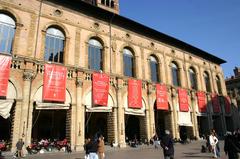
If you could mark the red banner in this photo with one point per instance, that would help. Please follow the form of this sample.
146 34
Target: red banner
215 103
202 104
5 63
227 104
100 88
134 93
162 97
183 100
54 83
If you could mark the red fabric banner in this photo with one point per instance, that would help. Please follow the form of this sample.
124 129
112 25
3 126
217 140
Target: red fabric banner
134 93
183 100
227 104
100 88
215 103
202 104
162 97
5 63
54 83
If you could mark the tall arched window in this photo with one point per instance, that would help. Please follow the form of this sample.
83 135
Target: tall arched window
103 2
128 62
7 32
154 69
219 87
112 3
95 57
207 81
193 78
54 45
175 75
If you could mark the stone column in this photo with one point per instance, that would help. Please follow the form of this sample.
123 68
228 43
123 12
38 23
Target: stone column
121 115
209 110
150 120
115 124
174 115
80 114
27 108
194 115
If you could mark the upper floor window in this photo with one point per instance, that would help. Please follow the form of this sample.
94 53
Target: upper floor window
95 57
7 31
193 78
207 82
109 3
175 75
218 82
154 69
54 45
128 62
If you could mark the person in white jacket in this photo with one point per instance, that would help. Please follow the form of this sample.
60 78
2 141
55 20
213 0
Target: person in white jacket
213 142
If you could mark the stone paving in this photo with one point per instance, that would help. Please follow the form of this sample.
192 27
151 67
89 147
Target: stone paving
182 151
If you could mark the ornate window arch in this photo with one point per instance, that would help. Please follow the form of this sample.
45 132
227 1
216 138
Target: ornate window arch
7 33
193 78
219 87
207 81
128 62
54 45
175 74
95 54
154 68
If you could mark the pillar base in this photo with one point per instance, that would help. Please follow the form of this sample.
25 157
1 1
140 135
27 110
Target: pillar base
79 148
122 145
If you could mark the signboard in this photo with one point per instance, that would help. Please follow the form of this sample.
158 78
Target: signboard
5 64
54 83
202 104
215 103
162 97
183 100
100 88
227 104
134 93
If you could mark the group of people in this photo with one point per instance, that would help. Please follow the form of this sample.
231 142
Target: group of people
94 148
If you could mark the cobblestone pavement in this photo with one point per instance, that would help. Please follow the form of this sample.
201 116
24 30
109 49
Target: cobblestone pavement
191 151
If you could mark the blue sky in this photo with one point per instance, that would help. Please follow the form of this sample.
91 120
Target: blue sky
211 25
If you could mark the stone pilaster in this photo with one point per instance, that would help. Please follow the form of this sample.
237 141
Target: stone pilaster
121 115
80 115
150 127
174 114
194 115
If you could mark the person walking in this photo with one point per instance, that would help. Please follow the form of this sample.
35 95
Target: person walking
213 140
230 146
92 149
167 145
101 147
19 146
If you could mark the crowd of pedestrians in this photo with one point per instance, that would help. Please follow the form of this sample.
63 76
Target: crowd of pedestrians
94 148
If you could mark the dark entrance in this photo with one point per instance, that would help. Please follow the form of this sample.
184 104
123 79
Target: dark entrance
96 124
203 126
160 123
49 124
132 128
229 123
217 124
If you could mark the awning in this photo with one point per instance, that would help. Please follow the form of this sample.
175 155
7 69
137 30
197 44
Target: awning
98 109
5 108
184 119
51 106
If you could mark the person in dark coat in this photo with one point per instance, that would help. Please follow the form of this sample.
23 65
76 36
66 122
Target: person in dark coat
230 146
167 145
92 148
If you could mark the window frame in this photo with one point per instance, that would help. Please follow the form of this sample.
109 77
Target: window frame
96 48
175 72
193 78
154 61
128 53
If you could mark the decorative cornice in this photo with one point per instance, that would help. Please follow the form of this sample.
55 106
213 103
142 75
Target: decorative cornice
28 75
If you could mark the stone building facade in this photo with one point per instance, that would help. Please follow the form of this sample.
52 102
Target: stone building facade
80 25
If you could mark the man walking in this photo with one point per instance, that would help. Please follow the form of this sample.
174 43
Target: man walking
19 146
167 145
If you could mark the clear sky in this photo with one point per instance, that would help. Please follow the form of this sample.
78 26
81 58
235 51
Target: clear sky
211 25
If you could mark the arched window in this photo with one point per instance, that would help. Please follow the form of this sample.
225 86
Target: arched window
95 57
154 69
193 78
108 3
54 45
112 4
218 82
7 32
103 2
175 75
207 81
128 62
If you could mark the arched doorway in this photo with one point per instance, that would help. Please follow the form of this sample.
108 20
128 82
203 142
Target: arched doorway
132 127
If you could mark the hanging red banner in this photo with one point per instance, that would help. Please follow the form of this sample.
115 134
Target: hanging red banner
215 103
183 100
5 63
134 93
54 83
162 97
227 104
202 104
100 88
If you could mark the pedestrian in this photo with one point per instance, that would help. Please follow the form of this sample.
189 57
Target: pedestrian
213 140
19 146
101 147
167 145
155 141
92 147
230 146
